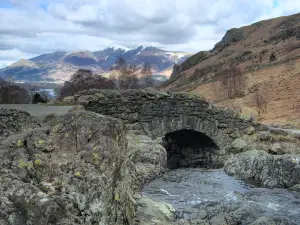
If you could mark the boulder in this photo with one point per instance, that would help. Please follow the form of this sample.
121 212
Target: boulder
14 121
268 170
151 212
220 219
264 136
74 171
276 149
86 99
50 117
69 100
148 157
238 145
295 188
250 130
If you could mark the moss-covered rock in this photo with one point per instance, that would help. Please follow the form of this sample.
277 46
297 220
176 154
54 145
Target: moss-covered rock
152 212
75 169
13 121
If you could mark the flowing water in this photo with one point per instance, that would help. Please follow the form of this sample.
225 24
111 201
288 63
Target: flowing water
190 191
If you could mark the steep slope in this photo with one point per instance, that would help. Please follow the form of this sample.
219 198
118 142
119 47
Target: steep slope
59 66
268 54
81 58
53 57
25 70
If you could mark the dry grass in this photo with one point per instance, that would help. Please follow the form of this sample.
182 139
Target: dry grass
282 90
279 79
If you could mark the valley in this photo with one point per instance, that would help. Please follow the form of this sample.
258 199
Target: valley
250 49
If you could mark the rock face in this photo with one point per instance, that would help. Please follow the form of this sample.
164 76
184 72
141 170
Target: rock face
78 168
12 121
75 171
268 170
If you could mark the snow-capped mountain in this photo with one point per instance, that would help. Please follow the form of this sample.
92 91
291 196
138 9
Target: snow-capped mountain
59 66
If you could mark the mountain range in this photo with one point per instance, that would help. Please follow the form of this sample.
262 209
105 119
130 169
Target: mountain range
268 54
59 66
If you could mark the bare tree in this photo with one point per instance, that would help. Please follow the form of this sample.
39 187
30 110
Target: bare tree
114 76
124 75
232 83
260 101
147 76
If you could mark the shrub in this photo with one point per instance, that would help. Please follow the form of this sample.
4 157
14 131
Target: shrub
260 100
272 57
84 80
38 98
10 93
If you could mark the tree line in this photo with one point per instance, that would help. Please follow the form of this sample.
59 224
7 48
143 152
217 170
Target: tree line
122 76
11 93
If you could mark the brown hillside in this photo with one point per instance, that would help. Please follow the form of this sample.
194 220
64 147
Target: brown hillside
250 48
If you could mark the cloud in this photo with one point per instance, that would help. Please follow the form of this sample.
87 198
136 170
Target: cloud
10 55
32 27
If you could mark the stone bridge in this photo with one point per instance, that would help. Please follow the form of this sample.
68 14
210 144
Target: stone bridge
169 115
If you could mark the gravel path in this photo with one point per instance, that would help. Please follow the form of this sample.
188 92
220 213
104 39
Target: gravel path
39 111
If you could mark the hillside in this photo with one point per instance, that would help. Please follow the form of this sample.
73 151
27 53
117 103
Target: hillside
267 53
59 66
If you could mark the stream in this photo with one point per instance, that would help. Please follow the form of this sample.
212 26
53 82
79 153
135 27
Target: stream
201 193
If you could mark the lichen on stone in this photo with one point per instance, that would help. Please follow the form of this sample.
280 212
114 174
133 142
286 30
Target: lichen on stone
41 142
20 144
117 197
37 162
23 164
77 174
96 158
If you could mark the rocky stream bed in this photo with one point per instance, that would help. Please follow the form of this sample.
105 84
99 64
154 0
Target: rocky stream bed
201 194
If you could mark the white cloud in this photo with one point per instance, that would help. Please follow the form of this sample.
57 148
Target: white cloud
13 54
5 63
29 28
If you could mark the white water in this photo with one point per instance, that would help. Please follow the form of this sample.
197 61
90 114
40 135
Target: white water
213 190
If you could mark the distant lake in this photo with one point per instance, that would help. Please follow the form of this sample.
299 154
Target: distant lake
51 91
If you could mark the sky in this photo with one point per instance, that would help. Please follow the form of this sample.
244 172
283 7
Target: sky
32 27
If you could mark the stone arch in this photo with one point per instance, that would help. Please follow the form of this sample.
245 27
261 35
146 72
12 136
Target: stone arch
190 148
157 113
159 127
